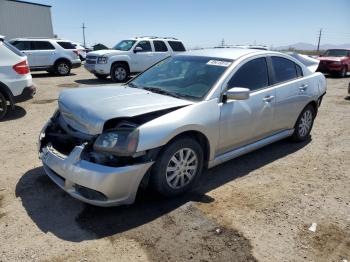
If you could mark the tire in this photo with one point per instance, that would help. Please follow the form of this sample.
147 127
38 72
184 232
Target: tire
304 124
119 73
171 179
62 68
102 77
3 106
343 72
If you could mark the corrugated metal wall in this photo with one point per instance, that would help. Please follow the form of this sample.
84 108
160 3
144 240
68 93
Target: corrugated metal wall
24 20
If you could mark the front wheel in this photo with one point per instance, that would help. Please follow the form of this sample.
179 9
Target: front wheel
304 124
119 73
343 72
178 167
3 106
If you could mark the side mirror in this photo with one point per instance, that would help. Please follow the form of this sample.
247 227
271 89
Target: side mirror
138 49
237 93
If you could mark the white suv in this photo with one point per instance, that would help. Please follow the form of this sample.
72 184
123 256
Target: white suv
15 78
131 56
53 55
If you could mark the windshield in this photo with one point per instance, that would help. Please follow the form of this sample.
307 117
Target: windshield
183 76
124 45
336 52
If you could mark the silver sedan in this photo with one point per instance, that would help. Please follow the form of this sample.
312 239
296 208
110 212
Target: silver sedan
194 110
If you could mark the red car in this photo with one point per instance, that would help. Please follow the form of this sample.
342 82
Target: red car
335 62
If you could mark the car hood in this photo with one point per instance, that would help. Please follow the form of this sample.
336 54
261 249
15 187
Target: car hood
87 109
106 52
332 58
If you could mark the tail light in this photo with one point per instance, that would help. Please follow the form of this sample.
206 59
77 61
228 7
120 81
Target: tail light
76 52
21 68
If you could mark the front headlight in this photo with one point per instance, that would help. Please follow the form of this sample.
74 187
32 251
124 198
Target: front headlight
121 142
102 60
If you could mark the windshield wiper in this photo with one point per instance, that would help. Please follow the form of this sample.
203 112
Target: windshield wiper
161 91
131 84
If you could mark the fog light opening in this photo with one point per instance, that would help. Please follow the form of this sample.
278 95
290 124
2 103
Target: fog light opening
89 193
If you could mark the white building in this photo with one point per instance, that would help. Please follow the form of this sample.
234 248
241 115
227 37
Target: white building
25 19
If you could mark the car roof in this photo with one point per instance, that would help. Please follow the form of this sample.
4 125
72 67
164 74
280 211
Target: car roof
225 53
155 38
39 39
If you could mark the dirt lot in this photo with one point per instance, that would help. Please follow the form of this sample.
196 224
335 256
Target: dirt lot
255 208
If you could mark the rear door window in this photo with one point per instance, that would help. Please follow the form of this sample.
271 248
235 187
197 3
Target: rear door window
43 45
159 46
22 45
285 69
66 45
177 46
253 75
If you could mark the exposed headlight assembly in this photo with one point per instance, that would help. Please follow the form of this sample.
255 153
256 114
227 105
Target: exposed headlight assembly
102 60
120 142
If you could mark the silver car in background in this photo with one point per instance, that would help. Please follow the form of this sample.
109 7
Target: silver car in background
194 110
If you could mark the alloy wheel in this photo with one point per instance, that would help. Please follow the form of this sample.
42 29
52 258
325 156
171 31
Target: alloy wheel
120 73
181 168
305 123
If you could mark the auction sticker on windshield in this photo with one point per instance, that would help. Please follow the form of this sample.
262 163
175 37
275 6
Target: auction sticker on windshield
218 63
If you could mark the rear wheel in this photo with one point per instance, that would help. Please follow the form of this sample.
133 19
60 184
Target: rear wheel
119 72
62 68
178 167
3 106
304 124
102 77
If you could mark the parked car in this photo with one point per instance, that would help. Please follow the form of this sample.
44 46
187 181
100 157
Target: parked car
81 51
193 110
131 56
53 55
335 62
15 78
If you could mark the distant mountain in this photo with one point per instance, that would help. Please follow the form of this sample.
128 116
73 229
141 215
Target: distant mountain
307 46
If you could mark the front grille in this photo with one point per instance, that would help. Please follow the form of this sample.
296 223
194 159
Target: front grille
91 57
91 62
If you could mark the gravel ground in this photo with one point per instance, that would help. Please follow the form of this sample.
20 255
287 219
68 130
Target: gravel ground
254 208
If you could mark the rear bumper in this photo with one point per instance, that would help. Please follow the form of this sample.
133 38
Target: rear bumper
89 182
28 93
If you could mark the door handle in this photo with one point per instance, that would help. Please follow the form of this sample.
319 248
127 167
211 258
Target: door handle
268 99
303 87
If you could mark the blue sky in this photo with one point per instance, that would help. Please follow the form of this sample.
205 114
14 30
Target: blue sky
204 23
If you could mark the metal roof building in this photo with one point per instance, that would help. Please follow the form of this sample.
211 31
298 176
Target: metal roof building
25 19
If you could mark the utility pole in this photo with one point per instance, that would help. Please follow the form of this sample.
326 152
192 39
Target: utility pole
223 42
84 34
319 40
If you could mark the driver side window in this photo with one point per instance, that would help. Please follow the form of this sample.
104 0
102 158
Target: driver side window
252 75
145 45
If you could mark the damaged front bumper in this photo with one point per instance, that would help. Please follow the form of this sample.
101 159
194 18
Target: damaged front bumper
90 182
